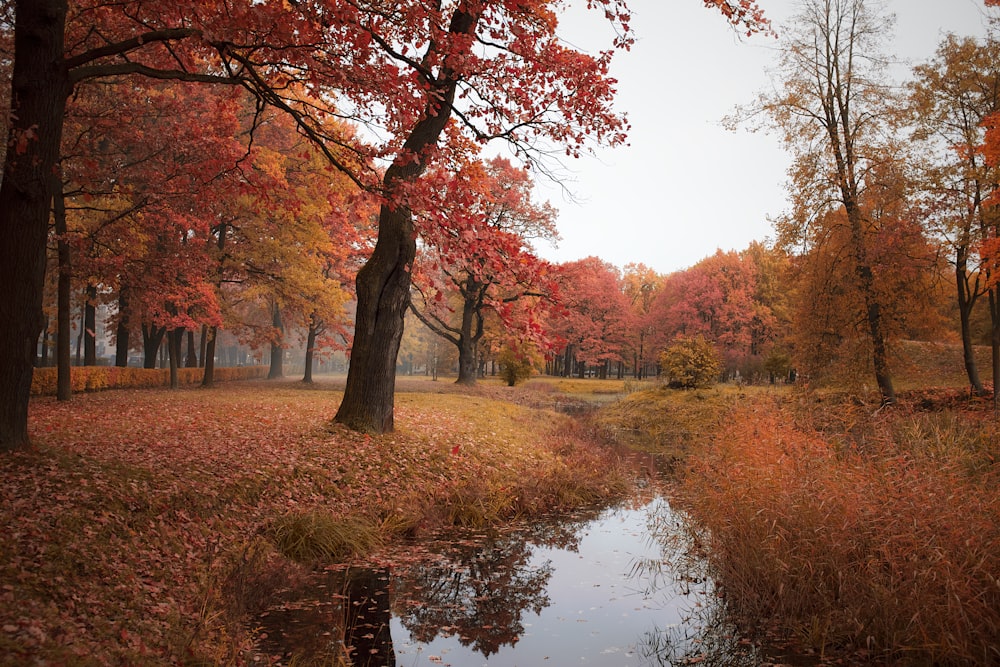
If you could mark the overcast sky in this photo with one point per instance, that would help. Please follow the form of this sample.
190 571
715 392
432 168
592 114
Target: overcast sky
685 185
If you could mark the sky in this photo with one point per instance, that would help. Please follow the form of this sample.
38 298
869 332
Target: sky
686 186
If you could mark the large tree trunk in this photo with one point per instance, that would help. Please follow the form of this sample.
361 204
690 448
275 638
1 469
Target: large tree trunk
471 333
152 337
39 88
191 358
383 288
122 330
383 284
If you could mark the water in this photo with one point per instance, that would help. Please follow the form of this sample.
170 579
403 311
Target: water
600 588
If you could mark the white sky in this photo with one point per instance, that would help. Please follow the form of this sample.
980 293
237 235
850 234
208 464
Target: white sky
685 185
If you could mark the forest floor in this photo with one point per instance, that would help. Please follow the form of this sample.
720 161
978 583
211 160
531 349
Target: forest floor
146 527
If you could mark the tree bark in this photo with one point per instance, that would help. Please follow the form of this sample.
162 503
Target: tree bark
39 89
174 337
310 349
277 369
966 299
90 327
64 387
122 330
383 283
152 336
208 377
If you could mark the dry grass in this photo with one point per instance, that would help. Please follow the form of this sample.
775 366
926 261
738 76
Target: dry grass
879 537
146 526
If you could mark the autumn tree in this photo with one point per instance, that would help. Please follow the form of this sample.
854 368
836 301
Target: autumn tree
594 321
835 111
478 255
716 299
951 97
641 285
407 68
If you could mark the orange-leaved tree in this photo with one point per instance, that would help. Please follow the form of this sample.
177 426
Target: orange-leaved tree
477 255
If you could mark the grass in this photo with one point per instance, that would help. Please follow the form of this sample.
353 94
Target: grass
147 527
867 535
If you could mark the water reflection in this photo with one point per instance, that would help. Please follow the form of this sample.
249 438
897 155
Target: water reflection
615 587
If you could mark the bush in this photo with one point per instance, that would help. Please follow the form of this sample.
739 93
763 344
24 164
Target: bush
516 366
96 378
691 363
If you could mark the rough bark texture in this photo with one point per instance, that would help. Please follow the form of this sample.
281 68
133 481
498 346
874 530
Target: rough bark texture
39 87
383 284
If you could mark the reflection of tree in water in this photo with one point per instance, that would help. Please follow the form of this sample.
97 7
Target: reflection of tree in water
478 591
330 615
480 585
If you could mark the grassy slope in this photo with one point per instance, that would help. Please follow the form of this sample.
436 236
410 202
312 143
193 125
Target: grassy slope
145 526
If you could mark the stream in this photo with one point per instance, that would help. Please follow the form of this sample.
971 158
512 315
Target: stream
600 587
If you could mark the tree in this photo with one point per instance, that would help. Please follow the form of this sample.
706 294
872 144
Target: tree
641 285
595 318
500 69
514 78
480 258
691 363
835 112
952 96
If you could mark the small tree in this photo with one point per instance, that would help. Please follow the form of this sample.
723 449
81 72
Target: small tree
691 363
516 365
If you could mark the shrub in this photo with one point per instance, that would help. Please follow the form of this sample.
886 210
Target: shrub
691 363
96 378
516 365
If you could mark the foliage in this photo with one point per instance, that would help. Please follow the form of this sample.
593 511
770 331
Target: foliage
517 364
691 363
133 528
96 378
876 534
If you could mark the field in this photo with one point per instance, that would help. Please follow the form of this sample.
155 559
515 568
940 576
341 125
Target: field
146 527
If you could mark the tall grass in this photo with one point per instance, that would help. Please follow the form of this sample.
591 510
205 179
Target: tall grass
883 539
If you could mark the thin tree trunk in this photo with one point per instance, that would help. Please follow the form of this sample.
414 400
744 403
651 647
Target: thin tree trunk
122 330
202 345
965 302
64 387
174 337
208 377
277 369
310 350
90 327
